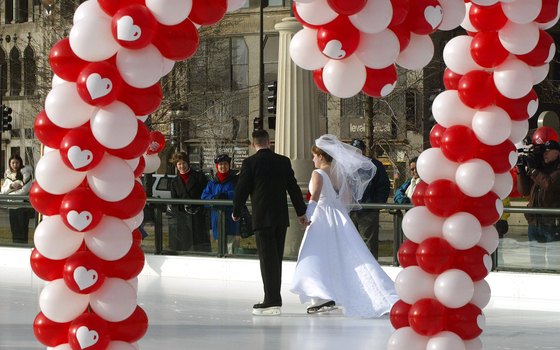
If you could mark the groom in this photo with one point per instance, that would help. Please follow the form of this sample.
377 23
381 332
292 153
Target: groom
267 176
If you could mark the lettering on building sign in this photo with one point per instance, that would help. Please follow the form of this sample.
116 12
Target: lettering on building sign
357 128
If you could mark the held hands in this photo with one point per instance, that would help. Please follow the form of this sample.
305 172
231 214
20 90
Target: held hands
303 220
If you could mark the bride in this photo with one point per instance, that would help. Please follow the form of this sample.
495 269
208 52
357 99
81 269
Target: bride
334 265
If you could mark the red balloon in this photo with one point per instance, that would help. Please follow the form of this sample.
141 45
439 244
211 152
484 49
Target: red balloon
399 314
380 82
400 11
129 206
435 135
498 157
487 18
543 134
463 321
140 167
64 61
89 331
451 79
47 132
99 83
127 267
84 272
520 108
137 147
487 50
542 53
50 333
424 16
112 6
347 7
459 143
483 208
435 255
142 101
476 262
476 89
136 237
338 39
427 317
549 10
318 78
79 149
407 253
81 210
403 34
43 201
132 329
46 269
443 198
177 42
418 194
157 142
134 26
207 12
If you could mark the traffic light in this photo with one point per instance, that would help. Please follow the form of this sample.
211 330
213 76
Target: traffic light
257 123
6 118
271 98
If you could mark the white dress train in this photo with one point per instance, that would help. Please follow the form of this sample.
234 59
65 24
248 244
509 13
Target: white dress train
335 264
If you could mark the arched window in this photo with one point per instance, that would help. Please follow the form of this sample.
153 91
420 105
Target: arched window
29 71
15 72
3 72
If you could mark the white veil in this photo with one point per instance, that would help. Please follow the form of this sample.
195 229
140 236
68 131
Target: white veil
350 170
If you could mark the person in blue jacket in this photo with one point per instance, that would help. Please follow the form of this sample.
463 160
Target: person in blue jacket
403 195
222 186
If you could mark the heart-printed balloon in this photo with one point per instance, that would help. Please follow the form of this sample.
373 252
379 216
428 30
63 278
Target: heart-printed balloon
85 278
83 272
81 209
334 50
79 158
80 151
99 83
86 337
88 331
127 30
79 221
424 16
98 86
134 26
338 39
433 15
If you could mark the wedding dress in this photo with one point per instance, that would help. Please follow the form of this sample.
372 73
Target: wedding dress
335 264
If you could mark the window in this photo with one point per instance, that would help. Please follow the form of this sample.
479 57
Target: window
240 64
3 72
8 11
30 71
15 72
22 8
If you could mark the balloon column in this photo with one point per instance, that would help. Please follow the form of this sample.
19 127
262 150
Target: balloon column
353 45
106 81
480 118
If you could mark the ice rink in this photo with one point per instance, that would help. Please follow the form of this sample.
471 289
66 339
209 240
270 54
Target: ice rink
205 304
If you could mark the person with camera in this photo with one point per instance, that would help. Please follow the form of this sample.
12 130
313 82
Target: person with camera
538 176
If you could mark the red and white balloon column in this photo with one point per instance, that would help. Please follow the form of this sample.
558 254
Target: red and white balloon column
480 118
106 81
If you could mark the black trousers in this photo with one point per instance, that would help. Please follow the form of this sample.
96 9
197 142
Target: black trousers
19 224
270 245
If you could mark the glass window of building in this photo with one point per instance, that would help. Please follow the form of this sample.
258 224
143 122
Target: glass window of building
15 72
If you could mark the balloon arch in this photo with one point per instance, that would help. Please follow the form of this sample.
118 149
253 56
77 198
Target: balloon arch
106 81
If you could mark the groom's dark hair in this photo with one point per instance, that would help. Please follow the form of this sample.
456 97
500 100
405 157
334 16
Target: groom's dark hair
260 137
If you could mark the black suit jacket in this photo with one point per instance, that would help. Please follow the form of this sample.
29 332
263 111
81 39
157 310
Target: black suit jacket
191 190
266 176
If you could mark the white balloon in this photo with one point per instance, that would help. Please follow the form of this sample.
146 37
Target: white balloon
142 118
114 126
550 24
112 180
481 294
453 288
491 125
378 50
91 39
120 345
59 304
89 8
475 177
418 53
466 24
114 301
476 343
60 347
519 130
170 12
65 108
503 184
135 221
419 224
406 338
539 73
305 52
56 80
140 68
413 284
152 163
374 17
344 78
513 78
432 165
54 176
133 283
234 5
522 11
445 341
519 39
167 66
317 12
485 2
457 55
54 240
110 240
489 239
462 230
453 14
449 110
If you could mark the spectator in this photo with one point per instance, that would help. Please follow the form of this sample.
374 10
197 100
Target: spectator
403 195
17 181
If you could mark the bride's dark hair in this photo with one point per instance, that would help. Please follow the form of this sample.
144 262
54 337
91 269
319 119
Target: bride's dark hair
317 150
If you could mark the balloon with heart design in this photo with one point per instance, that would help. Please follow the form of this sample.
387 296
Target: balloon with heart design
157 142
424 16
48 332
338 39
83 272
542 53
134 26
380 82
81 210
99 83
501 157
90 332
467 321
79 150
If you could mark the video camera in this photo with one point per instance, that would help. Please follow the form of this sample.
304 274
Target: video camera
531 155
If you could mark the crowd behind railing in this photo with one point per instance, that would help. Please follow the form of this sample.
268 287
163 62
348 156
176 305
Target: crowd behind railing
515 252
